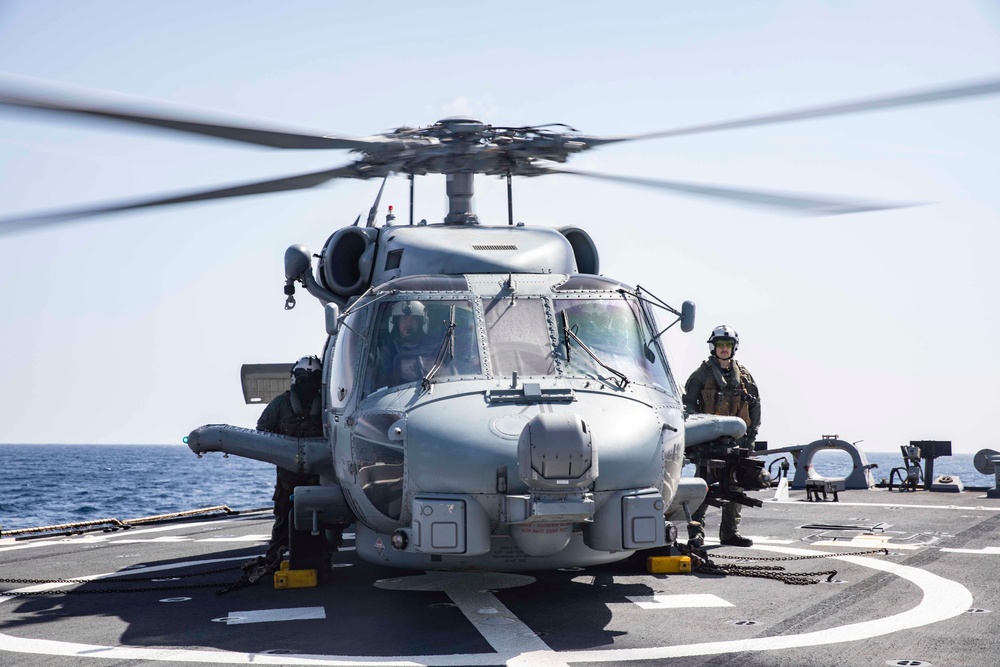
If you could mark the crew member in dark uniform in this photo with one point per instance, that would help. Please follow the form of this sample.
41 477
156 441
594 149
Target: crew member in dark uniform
297 413
721 386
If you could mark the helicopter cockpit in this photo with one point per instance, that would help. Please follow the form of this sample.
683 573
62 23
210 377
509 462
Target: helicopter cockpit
426 332
418 340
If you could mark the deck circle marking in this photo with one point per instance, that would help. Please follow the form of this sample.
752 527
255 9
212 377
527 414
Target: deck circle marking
942 599
175 599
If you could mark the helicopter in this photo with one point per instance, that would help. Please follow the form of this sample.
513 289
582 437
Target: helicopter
539 424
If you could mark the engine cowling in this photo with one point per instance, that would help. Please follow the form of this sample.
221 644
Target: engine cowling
584 250
345 264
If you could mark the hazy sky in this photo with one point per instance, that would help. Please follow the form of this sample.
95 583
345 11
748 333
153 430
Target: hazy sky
877 327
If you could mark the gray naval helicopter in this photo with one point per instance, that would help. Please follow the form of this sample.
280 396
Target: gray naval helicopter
490 400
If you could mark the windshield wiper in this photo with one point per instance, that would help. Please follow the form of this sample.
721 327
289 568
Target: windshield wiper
623 381
447 347
566 338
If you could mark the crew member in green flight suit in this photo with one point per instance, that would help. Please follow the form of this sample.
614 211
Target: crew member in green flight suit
722 386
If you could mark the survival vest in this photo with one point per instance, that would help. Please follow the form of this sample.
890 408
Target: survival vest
728 399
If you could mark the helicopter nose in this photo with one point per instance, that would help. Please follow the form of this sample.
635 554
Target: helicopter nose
556 452
557 461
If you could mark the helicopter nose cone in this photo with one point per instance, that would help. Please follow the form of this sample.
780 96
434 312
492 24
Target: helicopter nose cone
557 460
556 453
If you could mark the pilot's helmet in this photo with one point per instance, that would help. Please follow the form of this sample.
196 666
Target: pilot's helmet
306 369
408 309
724 332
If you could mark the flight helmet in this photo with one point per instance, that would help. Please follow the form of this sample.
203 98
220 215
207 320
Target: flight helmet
723 332
306 367
407 308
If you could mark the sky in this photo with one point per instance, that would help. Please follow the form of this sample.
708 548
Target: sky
877 327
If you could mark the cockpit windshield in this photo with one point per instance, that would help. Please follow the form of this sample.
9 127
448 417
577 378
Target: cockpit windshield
426 340
612 329
420 341
517 334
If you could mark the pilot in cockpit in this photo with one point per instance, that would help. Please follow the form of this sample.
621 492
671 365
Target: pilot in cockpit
405 351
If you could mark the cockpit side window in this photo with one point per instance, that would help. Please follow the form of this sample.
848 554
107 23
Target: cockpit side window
612 328
345 360
412 336
518 336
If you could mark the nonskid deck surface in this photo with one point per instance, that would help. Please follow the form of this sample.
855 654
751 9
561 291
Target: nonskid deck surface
933 600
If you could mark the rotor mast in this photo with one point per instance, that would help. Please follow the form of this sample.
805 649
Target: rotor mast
460 189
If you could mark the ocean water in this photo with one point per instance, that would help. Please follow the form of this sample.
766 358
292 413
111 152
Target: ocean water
50 484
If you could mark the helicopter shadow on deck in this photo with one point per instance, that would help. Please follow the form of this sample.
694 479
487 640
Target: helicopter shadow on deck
360 618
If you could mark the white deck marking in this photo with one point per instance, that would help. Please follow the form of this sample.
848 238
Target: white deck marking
868 542
842 503
242 538
764 539
161 539
941 599
514 642
275 615
678 601
989 551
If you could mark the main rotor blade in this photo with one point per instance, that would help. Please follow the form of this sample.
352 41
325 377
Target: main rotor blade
787 202
298 182
117 111
911 98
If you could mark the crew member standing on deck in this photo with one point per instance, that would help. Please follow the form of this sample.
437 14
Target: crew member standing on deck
298 413
721 386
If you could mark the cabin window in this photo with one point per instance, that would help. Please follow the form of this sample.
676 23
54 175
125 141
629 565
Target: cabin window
345 360
393 259
379 461
415 339
518 335
612 328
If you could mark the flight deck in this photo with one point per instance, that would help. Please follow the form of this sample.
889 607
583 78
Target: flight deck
915 584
